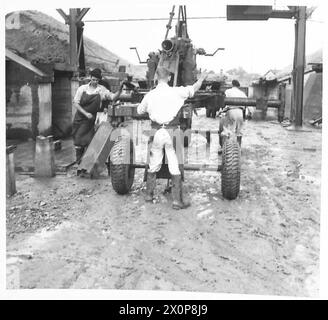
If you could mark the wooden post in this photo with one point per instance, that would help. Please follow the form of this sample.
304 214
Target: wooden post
299 63
44 161
282 98
10 171
45 108
73 37
80 51
74 20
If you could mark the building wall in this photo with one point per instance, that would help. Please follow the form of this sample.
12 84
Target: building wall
24 99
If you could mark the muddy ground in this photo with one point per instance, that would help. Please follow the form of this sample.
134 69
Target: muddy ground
72 232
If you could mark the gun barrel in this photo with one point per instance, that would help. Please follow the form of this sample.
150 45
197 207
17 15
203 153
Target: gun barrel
167 45
272 103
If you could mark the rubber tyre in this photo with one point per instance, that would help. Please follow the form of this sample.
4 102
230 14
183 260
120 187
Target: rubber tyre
121 172
208 112
230 175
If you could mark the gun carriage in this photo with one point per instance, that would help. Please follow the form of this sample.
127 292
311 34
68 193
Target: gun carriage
114 141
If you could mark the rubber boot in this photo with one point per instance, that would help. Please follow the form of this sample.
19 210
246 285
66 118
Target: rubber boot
239 140
222 138
177 194
78 153
150 186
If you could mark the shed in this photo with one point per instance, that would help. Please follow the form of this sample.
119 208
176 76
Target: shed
39 45
38 98
28 99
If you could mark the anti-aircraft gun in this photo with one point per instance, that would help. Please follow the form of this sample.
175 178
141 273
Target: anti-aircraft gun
178 55
115 140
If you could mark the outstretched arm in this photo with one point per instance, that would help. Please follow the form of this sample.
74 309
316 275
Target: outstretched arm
118 93
199 82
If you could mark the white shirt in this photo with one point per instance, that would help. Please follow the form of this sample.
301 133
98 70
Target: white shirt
234 92
164 102
87 88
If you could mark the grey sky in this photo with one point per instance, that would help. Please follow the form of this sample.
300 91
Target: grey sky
257 46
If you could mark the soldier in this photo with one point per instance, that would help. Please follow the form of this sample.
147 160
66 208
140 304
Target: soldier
234 117
87 101
162 104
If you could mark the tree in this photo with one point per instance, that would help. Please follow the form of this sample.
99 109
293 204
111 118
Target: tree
242 76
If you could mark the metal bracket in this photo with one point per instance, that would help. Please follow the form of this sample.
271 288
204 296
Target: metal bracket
212 54
134 48
82 13
64 15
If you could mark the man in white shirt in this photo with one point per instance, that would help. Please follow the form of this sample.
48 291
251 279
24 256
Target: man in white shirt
162 104
233 120
87 101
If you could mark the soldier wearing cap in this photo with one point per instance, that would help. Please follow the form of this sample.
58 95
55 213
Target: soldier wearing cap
234 117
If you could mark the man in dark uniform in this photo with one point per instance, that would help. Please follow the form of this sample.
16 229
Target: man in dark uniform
87 101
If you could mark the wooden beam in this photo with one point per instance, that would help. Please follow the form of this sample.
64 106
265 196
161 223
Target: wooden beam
64 15
299 65
14 57
282 14
73 38
63 67
81 14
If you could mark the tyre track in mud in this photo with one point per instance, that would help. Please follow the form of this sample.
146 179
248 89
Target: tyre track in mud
264 242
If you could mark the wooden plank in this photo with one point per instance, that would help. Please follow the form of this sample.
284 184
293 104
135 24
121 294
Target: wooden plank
73 38
14 57
10 170
98 150
299 66
45 108
63 67
64 15
82 13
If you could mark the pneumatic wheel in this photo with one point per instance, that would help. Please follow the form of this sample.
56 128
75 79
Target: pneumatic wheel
230 175
121 167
